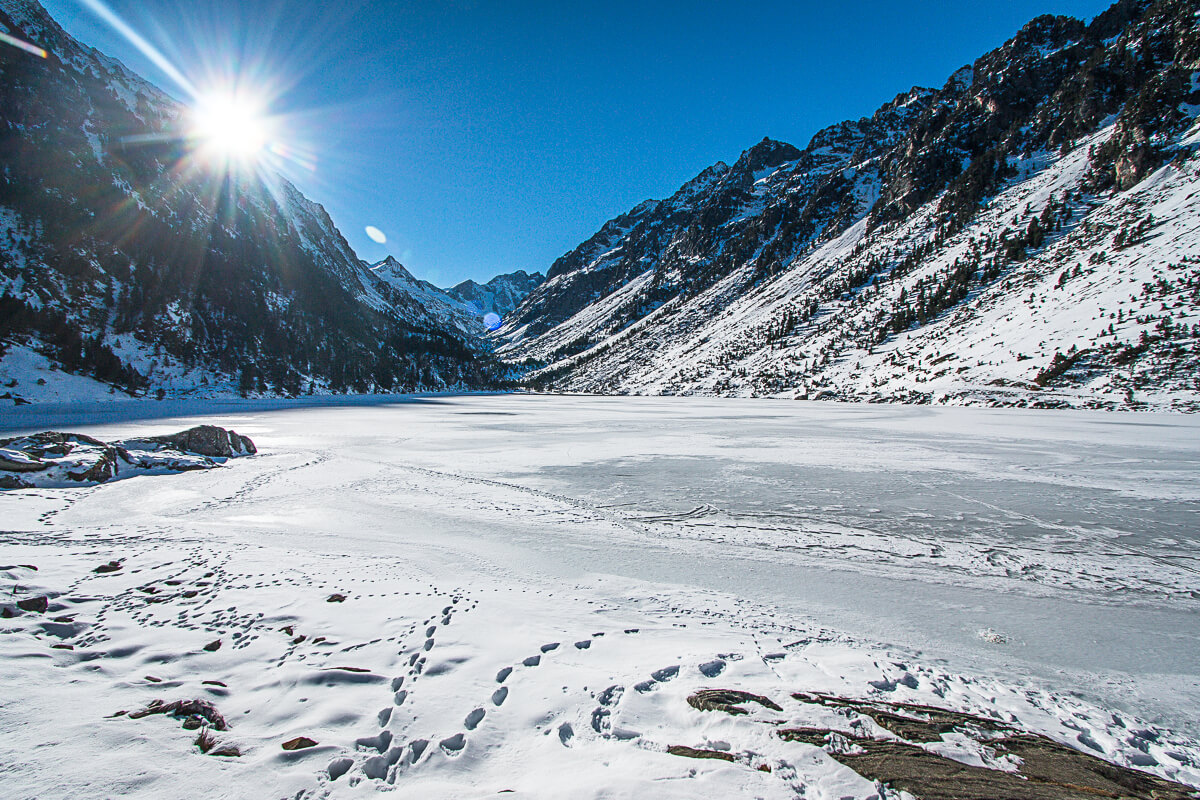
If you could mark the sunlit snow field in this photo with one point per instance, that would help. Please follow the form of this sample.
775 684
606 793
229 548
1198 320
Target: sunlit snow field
1041 567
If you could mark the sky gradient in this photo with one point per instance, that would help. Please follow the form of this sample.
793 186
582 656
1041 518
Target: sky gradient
485 137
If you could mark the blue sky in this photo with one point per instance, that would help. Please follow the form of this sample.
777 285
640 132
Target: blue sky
484 137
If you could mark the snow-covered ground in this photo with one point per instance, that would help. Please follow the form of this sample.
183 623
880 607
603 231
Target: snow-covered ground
506 561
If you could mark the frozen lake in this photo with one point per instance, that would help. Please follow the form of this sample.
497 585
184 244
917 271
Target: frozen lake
1043 563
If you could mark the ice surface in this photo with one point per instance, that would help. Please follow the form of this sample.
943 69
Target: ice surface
1037 567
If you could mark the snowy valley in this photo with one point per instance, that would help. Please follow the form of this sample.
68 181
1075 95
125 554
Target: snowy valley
460 597
850 472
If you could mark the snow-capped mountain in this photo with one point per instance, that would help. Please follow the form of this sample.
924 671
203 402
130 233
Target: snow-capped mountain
1026 234
462 308
125 258
501 295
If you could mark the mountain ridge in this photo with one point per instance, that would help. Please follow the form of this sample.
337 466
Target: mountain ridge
787 279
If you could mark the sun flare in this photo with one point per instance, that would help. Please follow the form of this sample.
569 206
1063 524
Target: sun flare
232 126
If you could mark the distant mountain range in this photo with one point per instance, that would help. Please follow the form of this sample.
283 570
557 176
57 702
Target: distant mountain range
1028 234
463 307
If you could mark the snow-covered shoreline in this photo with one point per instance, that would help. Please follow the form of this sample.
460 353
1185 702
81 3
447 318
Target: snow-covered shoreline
1034 567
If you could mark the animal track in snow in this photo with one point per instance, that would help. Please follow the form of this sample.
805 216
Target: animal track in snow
656 677
453 745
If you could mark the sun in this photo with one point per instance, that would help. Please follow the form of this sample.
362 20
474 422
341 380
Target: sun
231 126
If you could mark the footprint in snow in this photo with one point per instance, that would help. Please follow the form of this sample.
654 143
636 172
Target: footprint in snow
711 669
658 676
503 674
339 767
380 743
546 648
453 745
600 716
532 661
565 734
499 696
473 719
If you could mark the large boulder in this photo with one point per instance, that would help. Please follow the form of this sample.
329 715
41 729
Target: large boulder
208 440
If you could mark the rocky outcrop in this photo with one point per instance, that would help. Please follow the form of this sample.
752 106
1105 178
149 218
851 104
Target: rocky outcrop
896 745
52 458
728 700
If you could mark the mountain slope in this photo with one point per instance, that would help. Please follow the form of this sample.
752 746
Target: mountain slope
1035 199
125 256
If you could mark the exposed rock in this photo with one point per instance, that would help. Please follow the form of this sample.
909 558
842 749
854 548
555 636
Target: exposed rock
728 700
38 605
299 743
184 709
213 646
1047 770
226 751
692 752
208 440
111 566
10 461
916 723
336 598
56 459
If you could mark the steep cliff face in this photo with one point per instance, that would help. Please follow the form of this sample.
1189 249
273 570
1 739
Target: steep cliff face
125 257
1037 201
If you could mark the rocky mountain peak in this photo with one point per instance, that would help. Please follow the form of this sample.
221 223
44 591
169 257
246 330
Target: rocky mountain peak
766 154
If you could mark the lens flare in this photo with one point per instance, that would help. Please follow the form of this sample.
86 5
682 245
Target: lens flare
376 235
21 44
492 321
231 125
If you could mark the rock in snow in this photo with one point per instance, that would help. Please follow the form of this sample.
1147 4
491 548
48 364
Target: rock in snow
52 459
